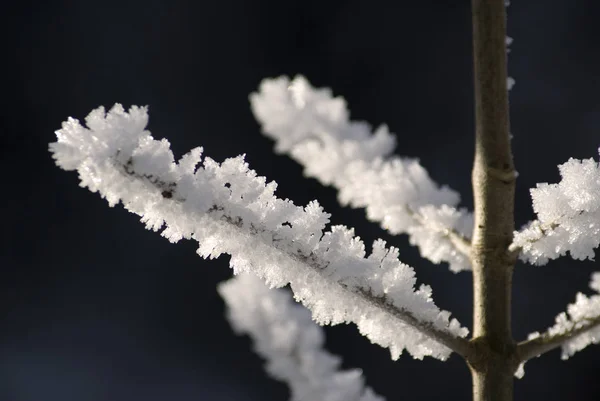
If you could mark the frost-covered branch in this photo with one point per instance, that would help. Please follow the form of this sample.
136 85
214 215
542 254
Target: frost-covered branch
458 240
228 209
292 345
573 330
568 216
314 129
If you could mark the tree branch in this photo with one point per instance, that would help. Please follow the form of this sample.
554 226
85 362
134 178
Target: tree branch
535 347
318 134
457 344
291 343
459 241
228 209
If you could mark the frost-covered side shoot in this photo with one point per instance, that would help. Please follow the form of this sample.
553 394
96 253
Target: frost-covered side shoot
573 331
314 128
568 216
583 312
227 208
292 344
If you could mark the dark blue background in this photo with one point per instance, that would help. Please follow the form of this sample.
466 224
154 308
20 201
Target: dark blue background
94 307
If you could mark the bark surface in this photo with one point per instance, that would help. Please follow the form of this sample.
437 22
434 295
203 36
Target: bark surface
493 361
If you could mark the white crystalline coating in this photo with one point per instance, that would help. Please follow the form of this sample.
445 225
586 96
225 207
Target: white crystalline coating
579 314
510 82
314 129
284 334
568 216
520 372
228 209
430 237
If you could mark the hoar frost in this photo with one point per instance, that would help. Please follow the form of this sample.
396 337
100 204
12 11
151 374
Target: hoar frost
314 129
292 345
228 209
580 313
568 216
584 312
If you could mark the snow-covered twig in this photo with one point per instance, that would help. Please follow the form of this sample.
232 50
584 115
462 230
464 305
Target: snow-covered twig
573 331
284 334
568 215
227 208
314 129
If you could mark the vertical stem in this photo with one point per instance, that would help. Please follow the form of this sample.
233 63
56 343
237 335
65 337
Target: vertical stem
493 384
493 188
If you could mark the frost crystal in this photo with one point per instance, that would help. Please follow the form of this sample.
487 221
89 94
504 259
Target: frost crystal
284 334
228 209
314 128
510 81
568 216
520 372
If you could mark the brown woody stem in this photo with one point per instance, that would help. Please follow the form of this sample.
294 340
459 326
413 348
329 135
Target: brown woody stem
494 362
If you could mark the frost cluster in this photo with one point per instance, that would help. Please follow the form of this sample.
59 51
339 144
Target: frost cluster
228 209
568 216
284 334
510 81
582 313
585 312
314 129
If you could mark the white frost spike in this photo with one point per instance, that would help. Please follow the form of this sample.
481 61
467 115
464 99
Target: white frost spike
292 345
314 129
568 216
520 372
510 82
228 209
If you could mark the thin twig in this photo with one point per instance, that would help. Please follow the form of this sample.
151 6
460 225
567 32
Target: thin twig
535 347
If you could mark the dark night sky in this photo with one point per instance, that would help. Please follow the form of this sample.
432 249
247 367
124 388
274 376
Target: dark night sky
95 308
